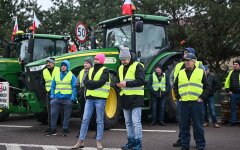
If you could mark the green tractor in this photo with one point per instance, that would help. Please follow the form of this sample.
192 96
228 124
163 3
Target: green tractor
26 48
145 35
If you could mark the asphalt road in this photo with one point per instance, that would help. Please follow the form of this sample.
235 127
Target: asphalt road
24 133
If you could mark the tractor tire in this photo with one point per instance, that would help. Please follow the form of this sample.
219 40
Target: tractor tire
4 114
43 118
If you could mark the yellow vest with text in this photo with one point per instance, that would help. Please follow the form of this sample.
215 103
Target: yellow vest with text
48 77
159 84
63 86
179 66
103 91
190 90
130 76
81 74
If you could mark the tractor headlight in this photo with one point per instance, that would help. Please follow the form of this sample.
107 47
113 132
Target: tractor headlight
37 68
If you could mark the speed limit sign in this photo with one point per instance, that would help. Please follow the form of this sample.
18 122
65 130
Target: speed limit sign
81 32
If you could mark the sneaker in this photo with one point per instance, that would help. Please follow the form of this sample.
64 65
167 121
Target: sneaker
51 132
177 144
216 125
162 123
153 123
65 132
231 124
47 130
205 124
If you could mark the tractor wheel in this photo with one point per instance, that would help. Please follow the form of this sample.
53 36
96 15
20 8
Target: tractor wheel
42 117
4 114
112 109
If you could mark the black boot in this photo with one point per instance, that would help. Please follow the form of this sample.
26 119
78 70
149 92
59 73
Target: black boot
177 144
129 144
138 145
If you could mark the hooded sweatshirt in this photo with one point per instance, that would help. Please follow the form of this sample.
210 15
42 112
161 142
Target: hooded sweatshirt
59 95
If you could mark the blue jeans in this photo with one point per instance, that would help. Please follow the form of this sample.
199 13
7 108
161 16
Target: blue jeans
192 111
234 99
133 122
57 105
90 104
158 108
210 104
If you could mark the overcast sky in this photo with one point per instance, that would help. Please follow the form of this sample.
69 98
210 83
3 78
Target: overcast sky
45 4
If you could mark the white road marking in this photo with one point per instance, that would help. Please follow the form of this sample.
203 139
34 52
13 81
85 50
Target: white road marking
14 126
166 131
15 146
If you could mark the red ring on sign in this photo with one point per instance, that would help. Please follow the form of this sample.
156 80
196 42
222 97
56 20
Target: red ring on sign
76 32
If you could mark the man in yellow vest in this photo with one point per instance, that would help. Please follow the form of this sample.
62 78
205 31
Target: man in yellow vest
63 94
158 85
131 78
191 88
47 76
97 84
173 76
232 86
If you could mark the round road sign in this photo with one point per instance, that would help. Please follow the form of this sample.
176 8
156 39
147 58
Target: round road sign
81 32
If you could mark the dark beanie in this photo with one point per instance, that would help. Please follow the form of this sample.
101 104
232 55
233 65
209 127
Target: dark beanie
159 66
89 60
237 61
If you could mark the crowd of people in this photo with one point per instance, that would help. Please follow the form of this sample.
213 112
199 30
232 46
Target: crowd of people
192 82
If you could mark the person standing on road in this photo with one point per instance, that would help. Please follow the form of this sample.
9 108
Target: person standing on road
232 86
173 76
158 85
213 87
131 78
97 84
63 94
191 88
48 75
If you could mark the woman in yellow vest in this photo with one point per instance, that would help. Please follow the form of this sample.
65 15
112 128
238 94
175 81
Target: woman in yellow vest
97 84
191 88
63 94
158 85
48 74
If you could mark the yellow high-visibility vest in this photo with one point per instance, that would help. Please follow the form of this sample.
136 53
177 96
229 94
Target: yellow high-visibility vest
103 91
48 77
227 81
63 86
179 66
81 74
130 76
190 90
159 84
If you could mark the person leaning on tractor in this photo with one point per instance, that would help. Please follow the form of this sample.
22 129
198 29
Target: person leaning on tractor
63 94
191 88
173 76
158 85
97 84
232 86
213 87
47 76
131 77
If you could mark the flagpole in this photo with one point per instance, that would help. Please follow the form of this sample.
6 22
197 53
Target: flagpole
133 33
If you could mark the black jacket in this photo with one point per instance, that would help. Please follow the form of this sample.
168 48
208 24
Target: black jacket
133 101
157 93
213 83
205 93
82 90
91 85
234 82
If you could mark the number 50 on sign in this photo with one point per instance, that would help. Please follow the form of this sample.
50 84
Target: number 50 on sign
81 32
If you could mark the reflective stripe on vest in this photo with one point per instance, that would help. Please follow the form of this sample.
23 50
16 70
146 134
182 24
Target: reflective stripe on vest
227 81
48 77
190 90
104 90
81 74
156 84
179 66
130 76
64 86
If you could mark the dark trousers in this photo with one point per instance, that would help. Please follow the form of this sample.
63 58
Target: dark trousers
48 108
209 104
192 111
234 100
158 108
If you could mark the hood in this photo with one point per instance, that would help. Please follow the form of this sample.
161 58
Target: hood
67 64
191 50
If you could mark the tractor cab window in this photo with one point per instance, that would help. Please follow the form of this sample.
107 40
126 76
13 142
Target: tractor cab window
23 52
119 36
150 41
